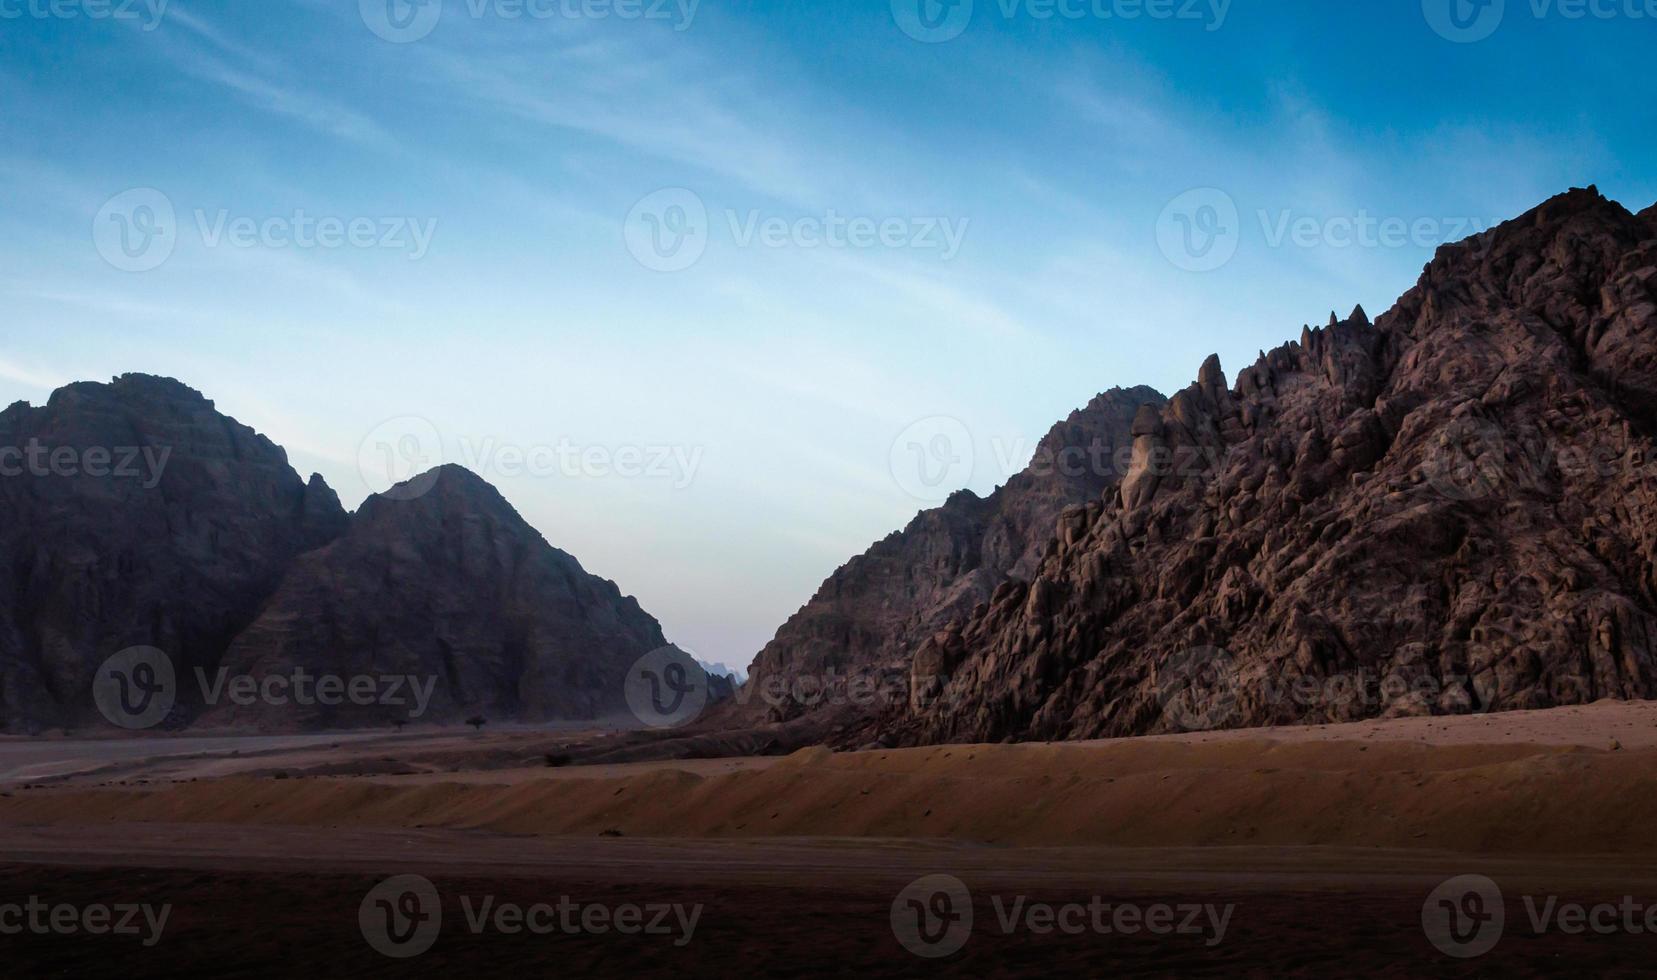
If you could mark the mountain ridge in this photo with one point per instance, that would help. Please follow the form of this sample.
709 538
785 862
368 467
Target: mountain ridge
198 554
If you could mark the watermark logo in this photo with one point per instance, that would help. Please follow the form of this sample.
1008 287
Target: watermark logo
145 464
300 686
1197 689
401 21
666 688
401 916
1467 459
1471 21
936 21
147 13
932 458
136 230
1199 231
407 21
399 459
667 231
136 688
1464 917
670 230
932 916
1464 21
42 918
932 21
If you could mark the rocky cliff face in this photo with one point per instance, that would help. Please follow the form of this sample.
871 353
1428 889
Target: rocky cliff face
870 615
136 514
1453 508
451 589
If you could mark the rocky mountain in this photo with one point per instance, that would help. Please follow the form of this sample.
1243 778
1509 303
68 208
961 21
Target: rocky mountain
1453 508
451 586
136 515
866 619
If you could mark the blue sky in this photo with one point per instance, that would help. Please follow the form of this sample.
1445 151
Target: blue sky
971 234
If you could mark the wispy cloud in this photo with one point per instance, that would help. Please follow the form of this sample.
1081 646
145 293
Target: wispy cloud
671 105
265 82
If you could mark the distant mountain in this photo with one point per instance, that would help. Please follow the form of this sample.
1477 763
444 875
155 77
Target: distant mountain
138 516
453 585
1453 508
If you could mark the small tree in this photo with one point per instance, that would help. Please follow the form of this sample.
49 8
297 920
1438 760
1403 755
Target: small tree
477 722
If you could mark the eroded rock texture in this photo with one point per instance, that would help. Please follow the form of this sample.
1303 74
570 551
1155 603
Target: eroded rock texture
1452 508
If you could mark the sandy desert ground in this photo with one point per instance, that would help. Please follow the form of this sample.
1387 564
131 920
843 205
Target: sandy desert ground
1317 847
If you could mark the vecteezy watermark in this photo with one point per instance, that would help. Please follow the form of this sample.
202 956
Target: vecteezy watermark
399 459
1201 230
936 21
146 13
137 231
1466 916
138 687
675 465
402 917
300 687
933 457
1470 21
407 21
1472 458
39 917
666 688
1200 689
669 230
145 464
1197 689
873 688
933 917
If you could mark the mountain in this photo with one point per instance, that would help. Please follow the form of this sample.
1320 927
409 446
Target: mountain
1450 509
139 516
453 585
866 619
136 514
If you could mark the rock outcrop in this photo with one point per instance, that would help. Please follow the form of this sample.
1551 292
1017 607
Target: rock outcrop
136 514
867 619
1452 508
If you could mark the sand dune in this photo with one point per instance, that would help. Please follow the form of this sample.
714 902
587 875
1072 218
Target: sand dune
1481 785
